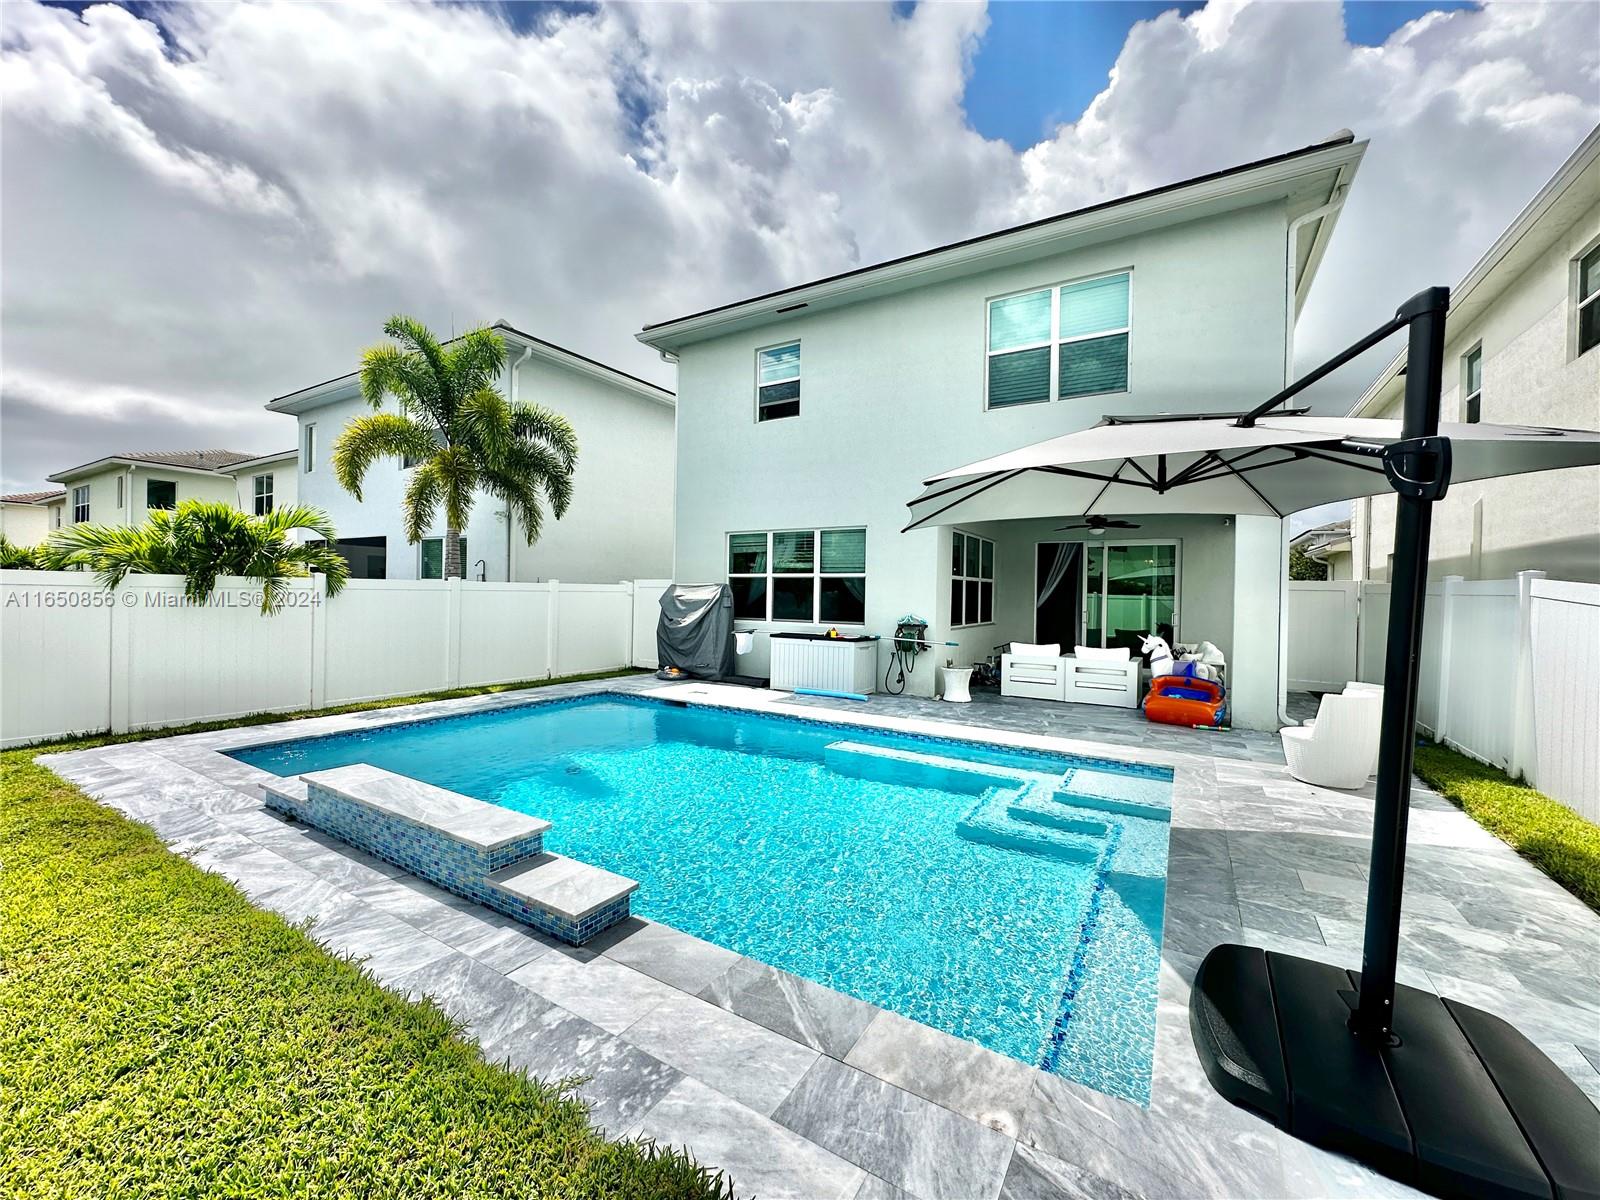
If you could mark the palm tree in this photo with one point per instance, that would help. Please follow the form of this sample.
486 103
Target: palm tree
464 434
203 540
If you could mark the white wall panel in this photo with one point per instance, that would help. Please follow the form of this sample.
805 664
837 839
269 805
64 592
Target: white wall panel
55 669
646 616
594 627
1322 641
387 637
505 633
1566 693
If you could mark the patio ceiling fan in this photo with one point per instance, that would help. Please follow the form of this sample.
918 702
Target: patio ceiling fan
1098 525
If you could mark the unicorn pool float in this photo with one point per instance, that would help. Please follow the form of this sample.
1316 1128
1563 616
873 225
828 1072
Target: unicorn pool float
1186 690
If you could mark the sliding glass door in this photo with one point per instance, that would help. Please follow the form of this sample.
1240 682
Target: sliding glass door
1130 589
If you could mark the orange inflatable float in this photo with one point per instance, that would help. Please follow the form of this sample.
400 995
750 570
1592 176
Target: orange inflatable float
1184 700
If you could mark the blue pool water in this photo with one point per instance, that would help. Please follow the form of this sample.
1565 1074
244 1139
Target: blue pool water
1010 898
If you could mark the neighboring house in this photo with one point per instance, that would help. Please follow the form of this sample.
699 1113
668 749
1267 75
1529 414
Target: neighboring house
267 482
25 516
1523 348
619 525
809 416
1329 545
122 489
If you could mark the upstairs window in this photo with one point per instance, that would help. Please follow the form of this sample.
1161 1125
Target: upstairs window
813 576
1057 343
160 493
1589 301
308 449
1472 385
971 579
778 382
80 503
263 493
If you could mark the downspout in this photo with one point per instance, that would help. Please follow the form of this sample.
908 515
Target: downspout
516 370
1290 314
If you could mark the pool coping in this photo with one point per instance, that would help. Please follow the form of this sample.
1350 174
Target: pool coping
989 1095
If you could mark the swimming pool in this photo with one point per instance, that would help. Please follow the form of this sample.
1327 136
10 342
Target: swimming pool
1008 897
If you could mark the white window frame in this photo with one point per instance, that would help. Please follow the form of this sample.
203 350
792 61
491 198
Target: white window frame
80 501
120 501
1580 301
817 573
261 493
980 579
798 378
308 449
1466 377
1054 341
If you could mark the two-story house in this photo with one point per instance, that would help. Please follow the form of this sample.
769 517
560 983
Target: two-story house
1523 348
619 525
122 489
808 417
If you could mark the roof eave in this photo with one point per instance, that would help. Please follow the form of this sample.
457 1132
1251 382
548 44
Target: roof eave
1039 236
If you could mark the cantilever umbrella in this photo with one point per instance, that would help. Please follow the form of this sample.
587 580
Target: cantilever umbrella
1272 466
1423 1088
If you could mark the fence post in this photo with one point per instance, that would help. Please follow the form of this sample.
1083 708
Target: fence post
1447 611
1523 728
553 627
319 640
452 641
119 710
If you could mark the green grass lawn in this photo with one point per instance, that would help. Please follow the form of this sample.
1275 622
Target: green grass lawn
160 1036
1557 840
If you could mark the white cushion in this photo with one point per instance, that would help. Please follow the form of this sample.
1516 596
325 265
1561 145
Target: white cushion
1109 654
1029 650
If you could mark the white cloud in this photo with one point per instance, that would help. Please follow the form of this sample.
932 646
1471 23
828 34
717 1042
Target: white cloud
203 215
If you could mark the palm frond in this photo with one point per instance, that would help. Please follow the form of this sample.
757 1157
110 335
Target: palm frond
418 339
476 359
536 423
484 421
373 436
421 500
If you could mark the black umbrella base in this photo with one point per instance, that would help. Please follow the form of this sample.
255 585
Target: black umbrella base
1460 1105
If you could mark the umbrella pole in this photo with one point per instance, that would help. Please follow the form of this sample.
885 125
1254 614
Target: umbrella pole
1374 1017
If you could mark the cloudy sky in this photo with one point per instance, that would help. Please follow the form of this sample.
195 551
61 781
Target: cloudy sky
207 206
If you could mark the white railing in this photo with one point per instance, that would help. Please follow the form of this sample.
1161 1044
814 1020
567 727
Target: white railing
75 658
1510 669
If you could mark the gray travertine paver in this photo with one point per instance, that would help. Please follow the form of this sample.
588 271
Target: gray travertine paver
798 1090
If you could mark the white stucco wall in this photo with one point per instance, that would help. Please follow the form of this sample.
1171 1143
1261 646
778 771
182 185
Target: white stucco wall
892 392
1549 521
25 524
619 525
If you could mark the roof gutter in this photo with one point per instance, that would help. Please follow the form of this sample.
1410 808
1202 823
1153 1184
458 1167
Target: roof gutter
1294 293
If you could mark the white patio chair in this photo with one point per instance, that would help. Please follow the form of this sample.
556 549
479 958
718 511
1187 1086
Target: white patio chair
1340 748
1034 671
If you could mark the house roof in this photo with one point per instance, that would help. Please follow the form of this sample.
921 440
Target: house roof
1567 195
1322 536
260 460
330 389
1318 170
208 461
32 497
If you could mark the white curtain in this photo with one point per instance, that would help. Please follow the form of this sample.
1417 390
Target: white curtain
1066 555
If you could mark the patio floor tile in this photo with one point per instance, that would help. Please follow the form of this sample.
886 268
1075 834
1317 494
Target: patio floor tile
908 1141
609 994
820 1017
761 1157
1035 1175
989 1088
664 953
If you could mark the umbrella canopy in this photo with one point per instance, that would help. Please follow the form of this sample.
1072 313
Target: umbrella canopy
1273 467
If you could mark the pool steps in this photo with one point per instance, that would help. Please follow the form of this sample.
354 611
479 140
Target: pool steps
482 851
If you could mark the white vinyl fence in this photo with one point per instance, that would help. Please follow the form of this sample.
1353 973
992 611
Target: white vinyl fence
1510 669
75 658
